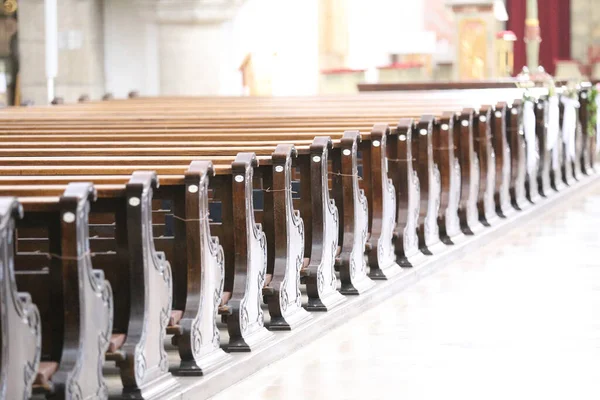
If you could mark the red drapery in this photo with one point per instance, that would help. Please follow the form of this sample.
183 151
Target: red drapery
555 28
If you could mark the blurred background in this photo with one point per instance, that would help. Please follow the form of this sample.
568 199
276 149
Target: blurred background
70 48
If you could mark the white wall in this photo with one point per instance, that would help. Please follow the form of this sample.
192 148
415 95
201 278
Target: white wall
378 27
288 28
204 59
130 50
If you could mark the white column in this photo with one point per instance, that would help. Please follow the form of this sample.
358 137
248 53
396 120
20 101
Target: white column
51 28
194 45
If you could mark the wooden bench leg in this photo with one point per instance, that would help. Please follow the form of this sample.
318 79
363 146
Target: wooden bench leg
246 322
19 317
87 299
406 182
283 295
503 162
443 152
429 176
319 276
142 359
197 336
352 202
381 198
469 165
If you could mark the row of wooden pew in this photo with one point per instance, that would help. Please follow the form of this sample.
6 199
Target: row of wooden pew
213 221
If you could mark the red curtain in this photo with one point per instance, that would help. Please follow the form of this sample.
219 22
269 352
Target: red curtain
555 29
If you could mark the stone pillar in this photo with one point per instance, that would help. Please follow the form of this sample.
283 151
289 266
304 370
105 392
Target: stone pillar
333 34
193 43
81 52
190 57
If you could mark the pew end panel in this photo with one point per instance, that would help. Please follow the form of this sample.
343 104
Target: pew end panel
487 176
142 359
554 134
568 175
545 155
81 337
19 318
503 161
444 149
196 334
429 176
518 148
353 232
282 294
382 205
406 182
246 322
587 148
469 165
319 276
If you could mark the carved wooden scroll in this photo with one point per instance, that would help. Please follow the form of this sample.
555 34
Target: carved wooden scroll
19 317
381 198
516 143
321 215
196 335
449 167
142 359
246 322
429 176
545 162
469 165
352 202
283 293
406 183
87 300
482 138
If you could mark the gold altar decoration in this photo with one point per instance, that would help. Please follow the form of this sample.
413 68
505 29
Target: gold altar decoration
505 53
476 24
472 62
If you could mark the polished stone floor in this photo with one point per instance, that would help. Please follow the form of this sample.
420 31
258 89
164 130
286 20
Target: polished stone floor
519 319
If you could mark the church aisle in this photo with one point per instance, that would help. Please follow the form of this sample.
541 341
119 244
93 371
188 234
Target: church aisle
516 320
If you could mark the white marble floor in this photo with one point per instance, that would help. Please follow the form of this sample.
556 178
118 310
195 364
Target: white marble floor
519 319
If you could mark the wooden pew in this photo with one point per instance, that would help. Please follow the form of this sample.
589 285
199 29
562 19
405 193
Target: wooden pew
344 177
244 263
482 186
378 187
442 207
19 317
432 148
75 301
